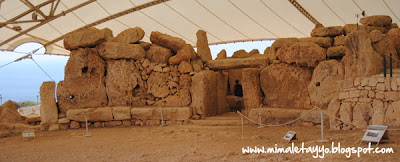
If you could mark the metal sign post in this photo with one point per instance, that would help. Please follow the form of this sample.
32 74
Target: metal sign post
259 115
162 119
87 130
322 128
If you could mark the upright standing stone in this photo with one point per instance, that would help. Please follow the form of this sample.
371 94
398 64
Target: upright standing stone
251 88
48 106
204 95
222 90
202 46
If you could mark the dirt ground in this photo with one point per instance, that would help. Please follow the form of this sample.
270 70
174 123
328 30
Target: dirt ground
182 143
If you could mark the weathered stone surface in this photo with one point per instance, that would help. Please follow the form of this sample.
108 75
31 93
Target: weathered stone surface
236 63
392 96
54 127
221 92
324 42
48 105
64 121
270 53
333 109
327 31
346 112
84 84
112 123
360 60
89 37
376 36
9 113
202 46
131 35
362 114
378 114
115 50
169 113
251 88
121 113
394 36
221 55
392 114
204 95
157 84
183 54
158 54
240 54
4 133
286 85
324 85
145 45
173 43
75 125
339 40
349 28
376 20
197 65
122 82
386 47
303 54
336 52
185 67
180 99
281 42
92 114
234 74
254 51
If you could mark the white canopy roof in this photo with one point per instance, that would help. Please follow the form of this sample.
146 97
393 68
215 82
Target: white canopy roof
223 20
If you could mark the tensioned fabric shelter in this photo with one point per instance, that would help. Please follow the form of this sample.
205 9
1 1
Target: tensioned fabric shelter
47 21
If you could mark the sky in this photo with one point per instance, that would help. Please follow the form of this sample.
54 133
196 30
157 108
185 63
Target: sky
21 81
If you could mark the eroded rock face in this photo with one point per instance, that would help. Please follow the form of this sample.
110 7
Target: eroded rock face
185 67
394 36
180 99
9 113
392 114
336 52
362 114
333 109
84 81
173 43
158 54
92 114
157 84
221 55
202 46
240 54
376 20
115 50
183 54
254 51
324 84
302 54
339 41
48 105
323 42
89 37
327 31
281 42
361 60
131 35
286 85
122 82
386 47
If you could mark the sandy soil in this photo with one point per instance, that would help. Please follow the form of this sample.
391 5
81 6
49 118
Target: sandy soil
180 143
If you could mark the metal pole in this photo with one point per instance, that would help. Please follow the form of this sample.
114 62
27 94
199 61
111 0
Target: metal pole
259 115
384 65
87 130
242 124
162 119
322 126
391 71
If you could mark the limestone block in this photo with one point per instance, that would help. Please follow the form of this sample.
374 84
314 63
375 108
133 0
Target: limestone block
335 52
9 113
376 20
393 84
347 83
339 40
89 37
113 123
365 100
350 28
378 115
387 84
240 54
204 95
373 82
173 43
236 63
362 114
157 84
286 85
281 42
115 50
54 127
380 95
323 42
145 45
385 47
302 54
158 54
394 36
346 112
391 96
364 81
380 87
333 109
131 35
64 121
75 125
222 91
354 93
376 36
121 113
327 31
202 46
251 88
169 113
92 114
185 67
48 105
371 94
392 114
33 119
221 55
183 54
344 95
179 99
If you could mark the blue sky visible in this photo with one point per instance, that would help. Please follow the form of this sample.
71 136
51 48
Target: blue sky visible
20 81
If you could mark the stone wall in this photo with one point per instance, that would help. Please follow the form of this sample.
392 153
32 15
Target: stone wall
366 101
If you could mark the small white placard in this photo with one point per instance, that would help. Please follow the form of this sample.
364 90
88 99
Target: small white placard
28 134
375 133
290 135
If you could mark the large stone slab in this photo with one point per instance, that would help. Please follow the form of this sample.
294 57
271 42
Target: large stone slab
327 31
158 54
392 114
116 50
122 80
236 63
131 35
183 54
204 95
362 113
251 88
202 46
324 85
121 113
222 91
89 37
302 54
173 43
394 36
92 114
361 60
376 20
286 85
48 105
333 109
324 42
168 113
84 84
9 113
